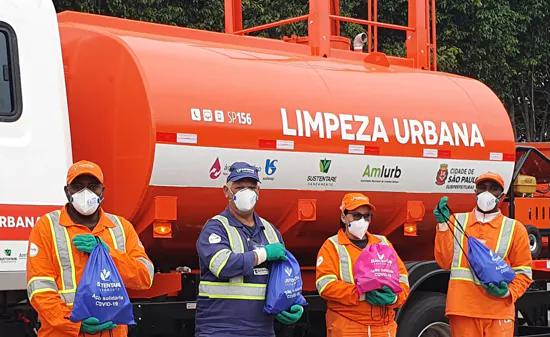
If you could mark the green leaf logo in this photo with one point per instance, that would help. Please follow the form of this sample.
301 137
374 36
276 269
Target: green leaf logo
7 252
324 165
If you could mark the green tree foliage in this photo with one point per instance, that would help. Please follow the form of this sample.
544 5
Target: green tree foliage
504 44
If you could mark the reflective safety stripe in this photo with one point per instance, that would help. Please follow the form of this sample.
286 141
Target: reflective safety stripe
269 232
323 281
64 256
235 242
383 239
68 296
460 220
118 237
505 236
525 270
346 267
40 284
404 279
235 288
149 266
242 291
346 271
218 261
117 233
503 247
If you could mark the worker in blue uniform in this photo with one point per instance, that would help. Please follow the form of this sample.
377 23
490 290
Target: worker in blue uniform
235 251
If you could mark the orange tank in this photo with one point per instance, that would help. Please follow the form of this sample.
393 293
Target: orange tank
165 110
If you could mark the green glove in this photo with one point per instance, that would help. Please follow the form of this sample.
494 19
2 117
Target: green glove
87 242
496 291
444 215
292 316
382 297
91 325
275 251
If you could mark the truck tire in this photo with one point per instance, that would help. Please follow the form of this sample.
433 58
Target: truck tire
535 240
424 316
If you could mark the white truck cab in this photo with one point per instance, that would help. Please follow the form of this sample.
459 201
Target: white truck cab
35 144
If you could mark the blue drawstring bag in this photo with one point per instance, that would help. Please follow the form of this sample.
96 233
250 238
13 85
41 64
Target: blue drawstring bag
284 287
487 265
101 292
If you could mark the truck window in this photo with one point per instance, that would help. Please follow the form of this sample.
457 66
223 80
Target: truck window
10 95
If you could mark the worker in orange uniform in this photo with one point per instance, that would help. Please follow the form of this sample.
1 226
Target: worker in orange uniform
476 309
59 247
351 314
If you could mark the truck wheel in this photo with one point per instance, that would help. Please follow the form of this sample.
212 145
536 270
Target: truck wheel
535 241
424 316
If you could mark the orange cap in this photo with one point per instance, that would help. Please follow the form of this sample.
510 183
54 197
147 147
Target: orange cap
84 167
491 176
352 201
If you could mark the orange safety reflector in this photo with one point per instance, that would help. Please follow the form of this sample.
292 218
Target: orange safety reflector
410 230
162 230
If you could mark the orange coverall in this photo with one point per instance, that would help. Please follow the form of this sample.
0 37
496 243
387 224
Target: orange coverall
347 315
43 266
470 309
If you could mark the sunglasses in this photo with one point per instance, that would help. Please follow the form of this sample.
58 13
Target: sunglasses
358 216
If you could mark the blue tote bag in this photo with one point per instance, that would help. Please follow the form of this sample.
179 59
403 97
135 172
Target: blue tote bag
284 287
101 292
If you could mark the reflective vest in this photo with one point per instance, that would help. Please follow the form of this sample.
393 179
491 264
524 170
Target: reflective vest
346 265
236 288
503 246
64 255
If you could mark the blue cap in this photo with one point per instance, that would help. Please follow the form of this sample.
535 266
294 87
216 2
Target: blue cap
241 170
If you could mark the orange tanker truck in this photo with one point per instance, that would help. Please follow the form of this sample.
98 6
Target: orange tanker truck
165 110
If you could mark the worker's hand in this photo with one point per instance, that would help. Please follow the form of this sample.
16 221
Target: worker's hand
292 316
381 297
275 251
91 325
87 242
443 215
493 290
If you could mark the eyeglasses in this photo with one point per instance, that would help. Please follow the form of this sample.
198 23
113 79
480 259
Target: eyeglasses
358 216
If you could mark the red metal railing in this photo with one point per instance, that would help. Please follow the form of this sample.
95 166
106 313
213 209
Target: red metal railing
324 21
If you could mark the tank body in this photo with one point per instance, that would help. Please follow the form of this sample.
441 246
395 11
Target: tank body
166 110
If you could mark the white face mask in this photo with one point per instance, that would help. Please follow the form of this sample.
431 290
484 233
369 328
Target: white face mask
358 228
85 202
486 201
245 199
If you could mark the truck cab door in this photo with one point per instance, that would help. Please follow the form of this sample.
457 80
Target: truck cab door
35 148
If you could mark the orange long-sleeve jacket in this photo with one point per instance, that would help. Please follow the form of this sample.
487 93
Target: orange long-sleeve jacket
466 298
50 287
341 296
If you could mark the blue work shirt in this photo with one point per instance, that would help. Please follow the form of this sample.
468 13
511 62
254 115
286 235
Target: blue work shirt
233 317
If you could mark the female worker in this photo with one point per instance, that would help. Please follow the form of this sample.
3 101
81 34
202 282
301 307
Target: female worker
351 314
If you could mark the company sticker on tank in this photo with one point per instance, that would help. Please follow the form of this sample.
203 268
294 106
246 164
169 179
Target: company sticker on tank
266 173
456 178
383 174
371 129
220 116
280 170
323 178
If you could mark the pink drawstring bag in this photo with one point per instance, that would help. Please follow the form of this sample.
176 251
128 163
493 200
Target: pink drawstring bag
376 267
